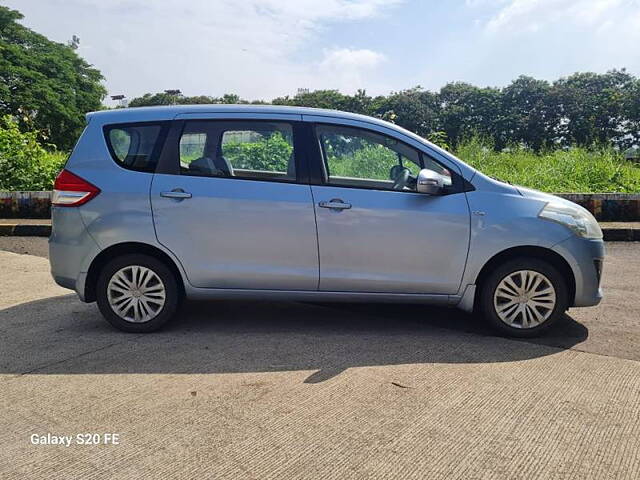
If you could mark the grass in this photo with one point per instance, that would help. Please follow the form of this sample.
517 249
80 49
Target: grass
579 170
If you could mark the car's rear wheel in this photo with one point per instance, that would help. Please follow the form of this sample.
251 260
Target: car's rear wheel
524 297
137 293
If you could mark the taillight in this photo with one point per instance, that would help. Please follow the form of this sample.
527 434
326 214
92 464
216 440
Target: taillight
69 190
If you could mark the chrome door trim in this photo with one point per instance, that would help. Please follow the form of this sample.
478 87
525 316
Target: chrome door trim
179 194
336 204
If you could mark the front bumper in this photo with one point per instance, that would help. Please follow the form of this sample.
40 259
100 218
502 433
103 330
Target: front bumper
585 257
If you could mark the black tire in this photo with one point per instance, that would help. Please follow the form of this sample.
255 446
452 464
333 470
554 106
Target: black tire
491 282
172 293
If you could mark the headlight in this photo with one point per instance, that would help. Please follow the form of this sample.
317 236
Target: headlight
575 218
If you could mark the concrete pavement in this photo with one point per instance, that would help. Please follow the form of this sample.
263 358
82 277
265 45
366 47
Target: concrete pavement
289 390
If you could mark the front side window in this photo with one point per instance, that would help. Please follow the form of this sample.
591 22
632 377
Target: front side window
134 146
361 158
252 150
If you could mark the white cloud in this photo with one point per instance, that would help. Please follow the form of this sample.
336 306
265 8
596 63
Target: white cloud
535 15
550 38
484 3
349 59
326 9
250 47
346 66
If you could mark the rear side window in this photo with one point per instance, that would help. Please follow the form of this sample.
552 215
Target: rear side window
134 146
260 150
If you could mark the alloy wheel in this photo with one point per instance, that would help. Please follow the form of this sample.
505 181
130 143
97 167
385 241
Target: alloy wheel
136 294
524 299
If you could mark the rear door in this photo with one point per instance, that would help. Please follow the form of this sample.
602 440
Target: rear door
232 204
375 232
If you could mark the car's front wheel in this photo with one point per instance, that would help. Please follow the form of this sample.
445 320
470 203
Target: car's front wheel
137 293
524 297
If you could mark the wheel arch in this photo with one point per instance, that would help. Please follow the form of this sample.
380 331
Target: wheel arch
126 248
541 253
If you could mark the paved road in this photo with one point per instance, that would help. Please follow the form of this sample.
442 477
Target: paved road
289 390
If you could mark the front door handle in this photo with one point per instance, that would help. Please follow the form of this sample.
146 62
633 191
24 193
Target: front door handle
176 193
336 204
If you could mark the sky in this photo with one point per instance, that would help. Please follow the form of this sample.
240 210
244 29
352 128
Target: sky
260 49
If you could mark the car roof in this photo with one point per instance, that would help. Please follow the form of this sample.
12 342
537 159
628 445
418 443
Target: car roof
168 112
279 112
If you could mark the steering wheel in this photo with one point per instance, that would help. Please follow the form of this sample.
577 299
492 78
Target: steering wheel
400 176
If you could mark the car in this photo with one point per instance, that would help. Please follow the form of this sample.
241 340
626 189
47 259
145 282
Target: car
159 204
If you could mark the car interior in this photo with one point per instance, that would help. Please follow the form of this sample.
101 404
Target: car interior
208 143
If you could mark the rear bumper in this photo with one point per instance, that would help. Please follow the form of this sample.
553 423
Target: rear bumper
71 249
585 258
65 282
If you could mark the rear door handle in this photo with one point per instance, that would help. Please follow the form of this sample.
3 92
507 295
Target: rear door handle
336 204
177 193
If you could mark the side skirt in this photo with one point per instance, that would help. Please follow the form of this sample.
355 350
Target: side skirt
304 295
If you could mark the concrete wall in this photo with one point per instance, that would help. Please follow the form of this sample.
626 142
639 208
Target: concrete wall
25 204
607 207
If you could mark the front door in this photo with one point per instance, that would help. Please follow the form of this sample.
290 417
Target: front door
375 232
232 211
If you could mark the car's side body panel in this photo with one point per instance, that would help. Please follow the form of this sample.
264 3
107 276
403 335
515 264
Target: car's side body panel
234 232
237 233
121 213
72 249
502 219
391 241
495 228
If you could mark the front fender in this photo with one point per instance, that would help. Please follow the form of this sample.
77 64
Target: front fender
500 221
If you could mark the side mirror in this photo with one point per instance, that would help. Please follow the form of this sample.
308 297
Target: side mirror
429 182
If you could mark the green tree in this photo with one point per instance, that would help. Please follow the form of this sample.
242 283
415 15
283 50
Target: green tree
414 109
152 99
148 100
45 84
331 99
631 108
583 109
526 118
24 163
468 110
590 107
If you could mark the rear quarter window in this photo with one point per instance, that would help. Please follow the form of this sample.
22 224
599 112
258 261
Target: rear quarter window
135 147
